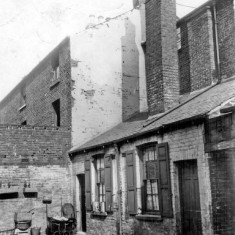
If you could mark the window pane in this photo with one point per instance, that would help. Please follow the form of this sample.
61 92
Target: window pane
100 179
155 203
152 203
152 169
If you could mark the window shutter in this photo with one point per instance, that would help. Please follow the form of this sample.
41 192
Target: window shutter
88 184
131 183
108 182
164 180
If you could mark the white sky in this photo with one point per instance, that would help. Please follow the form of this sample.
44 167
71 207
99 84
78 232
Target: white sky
30 29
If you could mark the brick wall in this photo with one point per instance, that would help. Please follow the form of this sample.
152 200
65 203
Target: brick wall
196 56
197 66
37 86
35 155
161 55
184 60
225 19
220 139
222 173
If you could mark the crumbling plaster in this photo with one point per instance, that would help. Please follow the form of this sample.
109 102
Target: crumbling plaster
106 58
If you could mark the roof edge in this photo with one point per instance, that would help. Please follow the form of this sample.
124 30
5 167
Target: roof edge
29 77
199 117
195 12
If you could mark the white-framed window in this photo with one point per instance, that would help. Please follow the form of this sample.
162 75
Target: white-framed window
99 183
150 180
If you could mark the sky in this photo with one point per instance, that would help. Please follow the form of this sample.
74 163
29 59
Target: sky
30 29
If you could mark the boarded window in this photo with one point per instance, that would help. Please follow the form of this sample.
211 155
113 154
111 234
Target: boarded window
218 129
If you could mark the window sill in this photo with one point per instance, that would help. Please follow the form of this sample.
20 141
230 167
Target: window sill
99 214
22 107
149 217
54 83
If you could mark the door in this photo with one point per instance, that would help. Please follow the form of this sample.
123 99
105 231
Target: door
190 199
81 179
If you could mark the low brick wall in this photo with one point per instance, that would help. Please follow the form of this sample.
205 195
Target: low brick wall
35 157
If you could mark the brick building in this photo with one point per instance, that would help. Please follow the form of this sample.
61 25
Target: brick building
164 108
173 171
54 106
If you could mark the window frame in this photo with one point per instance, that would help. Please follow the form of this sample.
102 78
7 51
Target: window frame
97 180
144 180
99 207
164 183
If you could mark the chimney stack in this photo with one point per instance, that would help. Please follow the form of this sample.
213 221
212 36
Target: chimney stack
161 56
91 21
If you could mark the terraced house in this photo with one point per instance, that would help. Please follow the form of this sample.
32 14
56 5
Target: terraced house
171 171
89 83
131 121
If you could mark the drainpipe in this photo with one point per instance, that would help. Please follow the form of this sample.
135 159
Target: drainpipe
117 152
216 42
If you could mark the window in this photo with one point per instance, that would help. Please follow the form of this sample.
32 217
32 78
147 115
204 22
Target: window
55 67
179 38
56 113
150 179
154 175
218 128
100 181
99 166
24 123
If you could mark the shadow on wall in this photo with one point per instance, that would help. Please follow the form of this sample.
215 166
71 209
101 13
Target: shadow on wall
130 72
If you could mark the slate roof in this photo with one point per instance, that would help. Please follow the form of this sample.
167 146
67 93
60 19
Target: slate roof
195 106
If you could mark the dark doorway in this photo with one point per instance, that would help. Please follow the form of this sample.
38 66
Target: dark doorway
81 179
190 199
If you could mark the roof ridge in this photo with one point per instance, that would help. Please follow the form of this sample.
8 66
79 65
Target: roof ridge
180 105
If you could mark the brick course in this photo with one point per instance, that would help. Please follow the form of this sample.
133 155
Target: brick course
225 19
40 94
36 155
222 165
196 56
161 56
